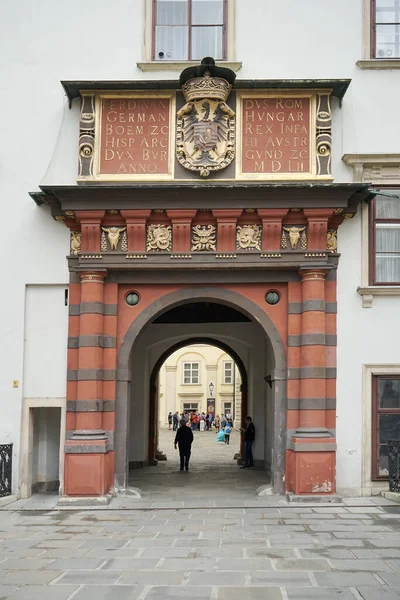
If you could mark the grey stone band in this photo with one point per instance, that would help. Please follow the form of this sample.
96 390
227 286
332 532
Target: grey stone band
86 449
92 308
297 308
311 403
312 373
313 432
324 447
92 341
91 375
124 375
90 405
92 448
312 339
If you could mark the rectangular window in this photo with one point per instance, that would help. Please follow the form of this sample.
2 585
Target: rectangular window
191 372
385 239
385 421
228 372
189 29
190 407
385 29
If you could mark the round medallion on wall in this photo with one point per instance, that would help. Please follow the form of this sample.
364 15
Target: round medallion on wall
132 299
272 297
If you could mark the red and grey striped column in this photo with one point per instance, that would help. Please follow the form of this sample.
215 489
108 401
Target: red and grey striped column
90 422
313 447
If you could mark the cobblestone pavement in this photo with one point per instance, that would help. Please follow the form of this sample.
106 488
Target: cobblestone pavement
232 547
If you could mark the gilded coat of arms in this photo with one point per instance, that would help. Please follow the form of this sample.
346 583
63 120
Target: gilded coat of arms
206 124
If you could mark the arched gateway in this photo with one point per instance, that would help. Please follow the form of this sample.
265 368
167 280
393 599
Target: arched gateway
227 199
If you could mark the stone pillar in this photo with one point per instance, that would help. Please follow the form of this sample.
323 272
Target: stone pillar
226 229
88 461
312 465
170 391
136 228
271 227
181 229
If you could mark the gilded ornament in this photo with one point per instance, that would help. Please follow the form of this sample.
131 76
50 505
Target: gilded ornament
283 241
331 240
59 217
113 211
86 136
294 236
204 237
75 242
69 213
124 242
248 237
338 211
159 237
103 242
113 234
205 140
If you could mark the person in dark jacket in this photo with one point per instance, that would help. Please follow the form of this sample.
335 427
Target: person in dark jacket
184 438
249 436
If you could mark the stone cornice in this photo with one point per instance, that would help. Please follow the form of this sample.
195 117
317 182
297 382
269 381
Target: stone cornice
158 65
378 63
379 169
368 292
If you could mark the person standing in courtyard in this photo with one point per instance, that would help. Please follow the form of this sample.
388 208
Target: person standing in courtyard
169 420
227 432
184 439
249 437
217 423
175 421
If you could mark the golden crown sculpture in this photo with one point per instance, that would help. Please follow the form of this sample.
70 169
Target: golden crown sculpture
206 87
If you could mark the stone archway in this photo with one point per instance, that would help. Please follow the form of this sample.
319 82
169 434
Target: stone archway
211 341
277 378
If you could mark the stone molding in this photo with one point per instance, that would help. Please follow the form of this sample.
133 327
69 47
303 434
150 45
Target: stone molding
379 169
367 293
179 65
379 63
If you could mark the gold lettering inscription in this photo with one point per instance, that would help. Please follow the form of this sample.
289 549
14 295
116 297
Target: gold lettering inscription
134 136
276 135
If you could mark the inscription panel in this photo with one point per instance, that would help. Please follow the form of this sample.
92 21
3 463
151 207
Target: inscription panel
135 138
277 137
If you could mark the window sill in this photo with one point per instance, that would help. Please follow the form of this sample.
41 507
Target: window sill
368 293
179 65
379 63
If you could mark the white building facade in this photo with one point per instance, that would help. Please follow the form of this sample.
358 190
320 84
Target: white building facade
260 40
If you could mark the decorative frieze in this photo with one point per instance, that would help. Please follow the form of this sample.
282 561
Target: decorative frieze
204 238
113 238
331 240
75 242
324 134
87 135
248 237
159 238
294 236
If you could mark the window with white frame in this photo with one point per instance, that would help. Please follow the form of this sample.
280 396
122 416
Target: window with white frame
228 372
385 34
385 238
189 29
191 372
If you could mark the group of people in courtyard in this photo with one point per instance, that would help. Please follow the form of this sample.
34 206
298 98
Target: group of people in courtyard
200 421
184 434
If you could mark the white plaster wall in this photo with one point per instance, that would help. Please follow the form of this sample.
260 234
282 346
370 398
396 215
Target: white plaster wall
365 336
44 42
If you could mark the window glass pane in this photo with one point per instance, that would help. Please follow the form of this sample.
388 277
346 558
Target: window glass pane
387 41
195 379
387 268
206 41
383 461
172 42
172 12
207 12
186 379
389 427
388 237
388 208
389 393
387 11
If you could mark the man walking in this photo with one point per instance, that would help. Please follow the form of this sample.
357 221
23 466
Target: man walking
175 421
184 437
249 436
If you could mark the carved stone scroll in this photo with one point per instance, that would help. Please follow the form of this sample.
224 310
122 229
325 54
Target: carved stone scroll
204 238
324 134
75 242
86 136
159 238
248 237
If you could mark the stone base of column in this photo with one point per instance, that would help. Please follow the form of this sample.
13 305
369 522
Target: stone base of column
311 465
89 464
